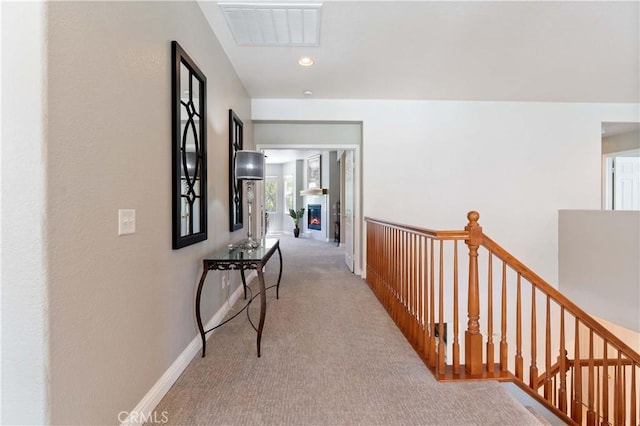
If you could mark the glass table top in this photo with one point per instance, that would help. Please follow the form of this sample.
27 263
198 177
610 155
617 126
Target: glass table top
234 252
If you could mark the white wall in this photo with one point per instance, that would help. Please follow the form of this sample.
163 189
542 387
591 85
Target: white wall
598 258
24 384
120 309
428 163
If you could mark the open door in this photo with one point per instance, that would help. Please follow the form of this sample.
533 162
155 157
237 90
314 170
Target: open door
622 181
347 216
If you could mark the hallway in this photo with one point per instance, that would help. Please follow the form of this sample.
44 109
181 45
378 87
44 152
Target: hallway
330 355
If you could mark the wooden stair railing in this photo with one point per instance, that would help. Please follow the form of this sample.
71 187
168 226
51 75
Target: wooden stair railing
416 273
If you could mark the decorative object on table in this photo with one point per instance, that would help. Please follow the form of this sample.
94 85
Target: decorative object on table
314 172
296 216
189 150
250 167
235 186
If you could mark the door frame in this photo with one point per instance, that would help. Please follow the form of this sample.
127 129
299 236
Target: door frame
358 246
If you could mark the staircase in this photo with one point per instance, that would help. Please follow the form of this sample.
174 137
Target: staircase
519 328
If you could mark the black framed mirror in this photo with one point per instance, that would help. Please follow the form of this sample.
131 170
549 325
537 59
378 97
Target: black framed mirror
235 186
189 150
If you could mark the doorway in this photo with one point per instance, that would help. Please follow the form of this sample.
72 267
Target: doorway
621 166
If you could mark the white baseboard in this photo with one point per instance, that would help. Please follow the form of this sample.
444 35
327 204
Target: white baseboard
144 411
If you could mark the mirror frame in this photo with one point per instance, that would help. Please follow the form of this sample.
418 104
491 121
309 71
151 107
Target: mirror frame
235 186
179 158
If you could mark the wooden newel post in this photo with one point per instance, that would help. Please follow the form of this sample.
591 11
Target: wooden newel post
472 336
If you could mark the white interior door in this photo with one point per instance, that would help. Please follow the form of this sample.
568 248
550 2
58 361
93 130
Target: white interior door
348 209
626 193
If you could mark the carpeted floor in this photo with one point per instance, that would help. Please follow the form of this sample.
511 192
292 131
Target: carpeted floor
330 356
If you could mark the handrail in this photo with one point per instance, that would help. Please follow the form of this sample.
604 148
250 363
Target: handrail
439 235
540 283
570 363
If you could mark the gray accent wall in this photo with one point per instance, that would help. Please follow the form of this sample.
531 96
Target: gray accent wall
98 318
599 263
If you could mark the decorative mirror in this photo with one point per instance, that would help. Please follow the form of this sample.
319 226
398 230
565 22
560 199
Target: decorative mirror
235 186
189 154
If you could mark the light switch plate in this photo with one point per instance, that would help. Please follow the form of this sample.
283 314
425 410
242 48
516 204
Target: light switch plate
126 221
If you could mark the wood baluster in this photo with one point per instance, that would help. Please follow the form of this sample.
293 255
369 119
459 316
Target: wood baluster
548 386
432 309
421 317
576 409
572 381
504 348
473 337
533 368
407 271
618 398
519 361
623 398
425 278
416 280
605 384
632 398
387 264
591 415
392 269
385 278
387 270
391 255
418 294
597 374
382 263
399 281
412 284
562 358
456 343
441 347
394 282
490 346
401 271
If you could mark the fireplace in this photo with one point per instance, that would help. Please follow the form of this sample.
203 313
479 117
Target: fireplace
314 217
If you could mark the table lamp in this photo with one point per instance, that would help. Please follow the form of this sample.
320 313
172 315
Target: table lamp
250 167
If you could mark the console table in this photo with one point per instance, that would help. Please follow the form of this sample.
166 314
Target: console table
236 258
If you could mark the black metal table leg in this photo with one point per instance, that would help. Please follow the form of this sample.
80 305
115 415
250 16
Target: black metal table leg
244 283
263 305
279 273
198 315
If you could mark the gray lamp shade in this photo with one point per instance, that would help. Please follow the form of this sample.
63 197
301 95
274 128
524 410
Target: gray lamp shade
249 165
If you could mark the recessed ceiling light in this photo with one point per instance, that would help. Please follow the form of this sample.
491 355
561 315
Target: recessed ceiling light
307 93
305 62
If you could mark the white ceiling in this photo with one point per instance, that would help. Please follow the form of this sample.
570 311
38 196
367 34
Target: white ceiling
496 51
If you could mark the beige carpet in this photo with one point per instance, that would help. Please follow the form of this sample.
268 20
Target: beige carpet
330 356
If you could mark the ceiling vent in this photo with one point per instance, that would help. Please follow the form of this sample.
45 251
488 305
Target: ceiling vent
274 24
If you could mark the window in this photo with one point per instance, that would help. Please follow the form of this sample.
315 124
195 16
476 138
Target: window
288 192
271 194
